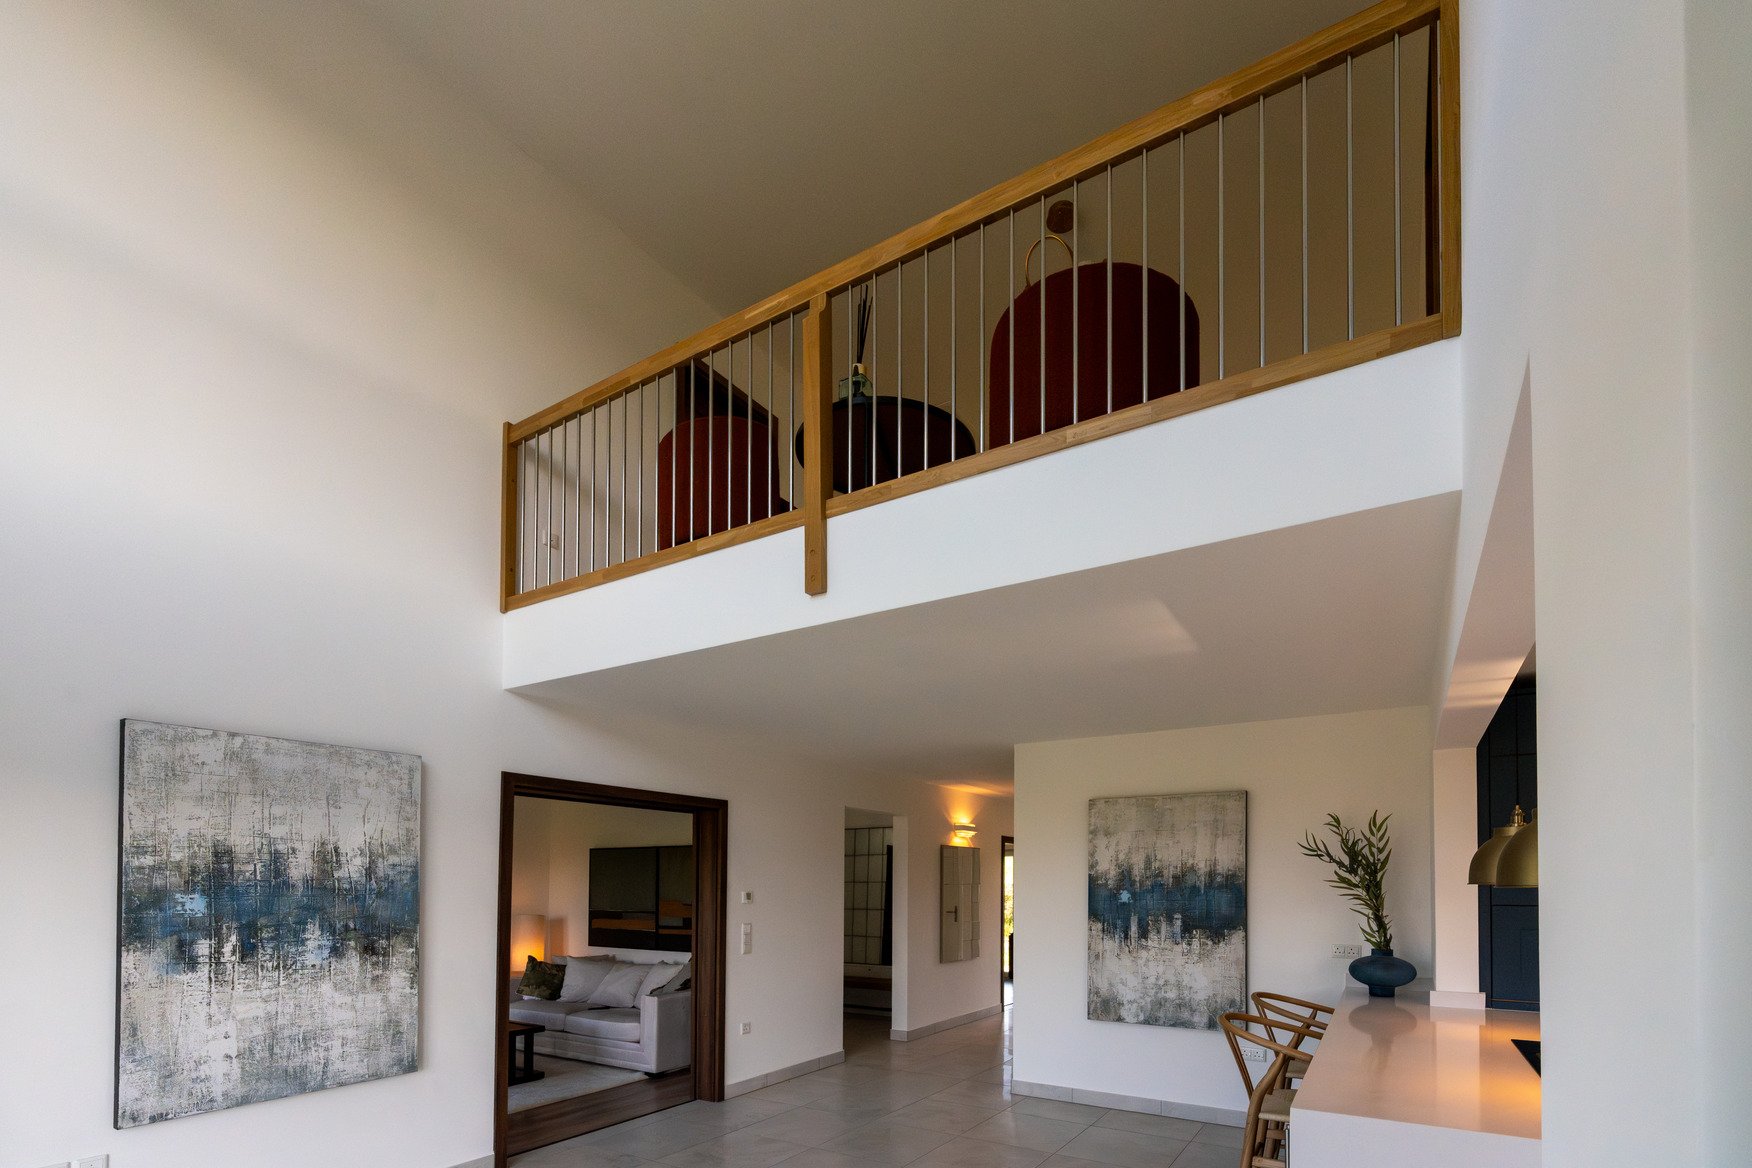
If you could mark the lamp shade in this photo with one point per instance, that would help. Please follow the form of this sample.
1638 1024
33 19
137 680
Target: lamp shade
1489 854
528 938
1518 866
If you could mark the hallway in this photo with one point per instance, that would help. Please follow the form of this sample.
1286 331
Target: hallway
942 1101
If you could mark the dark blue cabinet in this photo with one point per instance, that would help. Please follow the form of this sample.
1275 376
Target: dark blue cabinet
1508 918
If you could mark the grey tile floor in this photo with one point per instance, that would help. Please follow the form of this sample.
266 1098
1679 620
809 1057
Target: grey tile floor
942 1101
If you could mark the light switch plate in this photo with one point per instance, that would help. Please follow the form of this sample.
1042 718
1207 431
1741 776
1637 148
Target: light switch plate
92 1161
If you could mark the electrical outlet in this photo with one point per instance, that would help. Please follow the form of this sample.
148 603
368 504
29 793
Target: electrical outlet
92 1161
1253 1054
1347 951
748 1028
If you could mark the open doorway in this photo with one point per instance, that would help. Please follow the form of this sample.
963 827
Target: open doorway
869 926
610 951
1007 964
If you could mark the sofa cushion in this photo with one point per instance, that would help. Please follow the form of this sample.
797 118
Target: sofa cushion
678 977
621 987
583 975
657 976
553 1015
541 979
621 1025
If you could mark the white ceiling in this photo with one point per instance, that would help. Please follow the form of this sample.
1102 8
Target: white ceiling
1344 614
747 144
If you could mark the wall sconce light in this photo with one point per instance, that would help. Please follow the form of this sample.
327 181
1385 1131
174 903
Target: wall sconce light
528 938
963 834
1488 858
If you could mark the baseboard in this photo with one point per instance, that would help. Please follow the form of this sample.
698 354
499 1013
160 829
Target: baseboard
945 1024
481 1162
794 1071
1456 1000
1138 1103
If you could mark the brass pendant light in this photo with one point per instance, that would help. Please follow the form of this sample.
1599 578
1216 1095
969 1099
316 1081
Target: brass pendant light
1487 860
1518 865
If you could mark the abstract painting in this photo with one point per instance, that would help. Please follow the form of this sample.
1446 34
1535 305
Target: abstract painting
269 919
1168 908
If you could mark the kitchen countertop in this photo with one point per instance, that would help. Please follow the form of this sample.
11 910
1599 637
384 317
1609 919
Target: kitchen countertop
1386 1063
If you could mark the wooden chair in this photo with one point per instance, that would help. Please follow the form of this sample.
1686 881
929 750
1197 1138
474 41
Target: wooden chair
1266 1135
1298 1012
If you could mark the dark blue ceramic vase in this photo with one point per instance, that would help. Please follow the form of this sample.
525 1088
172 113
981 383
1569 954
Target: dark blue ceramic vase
1382 972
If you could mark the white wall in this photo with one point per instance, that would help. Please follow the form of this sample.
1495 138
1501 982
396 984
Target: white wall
559 834
1606 239
1719 109
1294 771
253 372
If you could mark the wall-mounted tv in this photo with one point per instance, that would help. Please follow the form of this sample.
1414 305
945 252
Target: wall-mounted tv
642 898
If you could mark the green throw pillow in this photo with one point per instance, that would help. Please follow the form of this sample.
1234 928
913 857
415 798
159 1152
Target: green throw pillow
542 980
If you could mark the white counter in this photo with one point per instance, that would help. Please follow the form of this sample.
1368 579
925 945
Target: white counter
1396 1082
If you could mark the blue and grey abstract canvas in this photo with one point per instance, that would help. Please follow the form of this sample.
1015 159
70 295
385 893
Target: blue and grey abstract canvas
270 922
1168 908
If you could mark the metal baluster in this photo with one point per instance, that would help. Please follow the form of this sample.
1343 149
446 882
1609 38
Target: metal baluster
925 413
595 496
791 377
851 385
869 405
547 531
1350 211
639 525
1042 315
899 361
1108 174
565 495
1304 88
1398 170
766 484
576 440
1262 230
1144 278
1180 180
711 452
674 451
1222 264
626 466
980 442
748 445
1010 312
954 296
1076 319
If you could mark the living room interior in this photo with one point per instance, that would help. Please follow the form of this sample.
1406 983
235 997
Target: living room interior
279 277
590 882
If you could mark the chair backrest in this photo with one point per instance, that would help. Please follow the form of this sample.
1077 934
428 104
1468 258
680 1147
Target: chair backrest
1238 1029
1280 1008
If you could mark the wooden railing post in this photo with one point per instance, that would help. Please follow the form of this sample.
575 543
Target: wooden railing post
817 479
509 552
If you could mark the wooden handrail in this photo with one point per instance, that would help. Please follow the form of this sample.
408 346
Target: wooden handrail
808 303
1367 29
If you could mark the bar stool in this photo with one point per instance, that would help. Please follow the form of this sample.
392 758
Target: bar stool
1265 1139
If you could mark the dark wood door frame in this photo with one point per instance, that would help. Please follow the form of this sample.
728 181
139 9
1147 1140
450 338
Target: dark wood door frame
1006 846
711 855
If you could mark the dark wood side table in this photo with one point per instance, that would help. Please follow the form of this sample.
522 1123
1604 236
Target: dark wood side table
526 1072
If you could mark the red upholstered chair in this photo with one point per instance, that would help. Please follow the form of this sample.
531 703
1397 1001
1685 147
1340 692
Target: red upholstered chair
705 468
1051 302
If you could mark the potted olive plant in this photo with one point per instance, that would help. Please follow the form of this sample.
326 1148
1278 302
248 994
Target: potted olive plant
1359 872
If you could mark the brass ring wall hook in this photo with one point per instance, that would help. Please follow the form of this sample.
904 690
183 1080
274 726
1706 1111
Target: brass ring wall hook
1027 281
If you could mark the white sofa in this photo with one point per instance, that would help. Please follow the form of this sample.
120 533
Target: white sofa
655 1035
